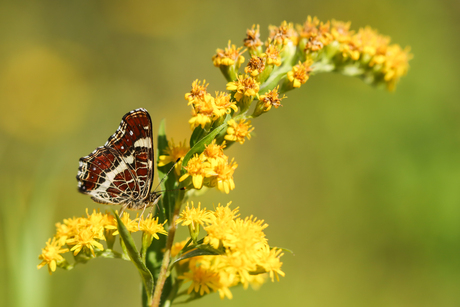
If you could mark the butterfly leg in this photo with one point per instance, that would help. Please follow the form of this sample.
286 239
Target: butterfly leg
123 209
142 215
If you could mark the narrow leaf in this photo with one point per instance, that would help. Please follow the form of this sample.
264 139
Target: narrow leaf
146 276
197 252
200 145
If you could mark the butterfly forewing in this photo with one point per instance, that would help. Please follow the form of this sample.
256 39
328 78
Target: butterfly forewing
121 172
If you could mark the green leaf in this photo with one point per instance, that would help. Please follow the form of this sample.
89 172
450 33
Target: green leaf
196 135
146 276
197 252
200 145
164 203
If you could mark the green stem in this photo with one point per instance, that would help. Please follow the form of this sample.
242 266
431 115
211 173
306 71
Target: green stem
166 258
172 294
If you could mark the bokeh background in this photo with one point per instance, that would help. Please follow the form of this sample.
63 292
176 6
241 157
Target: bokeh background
362 184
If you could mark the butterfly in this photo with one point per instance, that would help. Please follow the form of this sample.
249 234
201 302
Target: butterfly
121 172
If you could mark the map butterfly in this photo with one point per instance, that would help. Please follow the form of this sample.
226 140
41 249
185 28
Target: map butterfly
121 171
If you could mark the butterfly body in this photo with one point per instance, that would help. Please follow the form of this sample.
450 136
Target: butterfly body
121 171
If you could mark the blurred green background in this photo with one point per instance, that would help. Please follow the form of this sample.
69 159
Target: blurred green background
362 184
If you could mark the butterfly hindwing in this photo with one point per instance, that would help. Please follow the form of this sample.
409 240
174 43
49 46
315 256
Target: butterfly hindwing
121 171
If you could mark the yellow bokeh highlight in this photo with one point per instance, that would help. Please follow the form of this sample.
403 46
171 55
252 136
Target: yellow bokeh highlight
42 95
147 17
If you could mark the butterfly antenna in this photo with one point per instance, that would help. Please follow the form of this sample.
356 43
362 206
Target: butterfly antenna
166 176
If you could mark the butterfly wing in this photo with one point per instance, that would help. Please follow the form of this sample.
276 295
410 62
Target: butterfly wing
122 170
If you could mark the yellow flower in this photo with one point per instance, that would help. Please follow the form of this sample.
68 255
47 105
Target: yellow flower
255 66
223 105
272 55
271 98
252 40
152 227
237 132
396 64
203 280
96 222
85 238
198 168
313 44
270 261
172 153
341 31
244 86
229 56
51 255
67 229
309 28
198 91
214 151
177 247
202 112
224 173
246 253
131 225
283 34
299 74
221 229
324 33
194 217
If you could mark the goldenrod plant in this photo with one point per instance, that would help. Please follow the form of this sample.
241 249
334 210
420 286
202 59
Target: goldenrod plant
224 250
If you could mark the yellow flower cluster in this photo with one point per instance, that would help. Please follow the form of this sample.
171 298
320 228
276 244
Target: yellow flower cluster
245 253
211 168
84 234
205 108
333 41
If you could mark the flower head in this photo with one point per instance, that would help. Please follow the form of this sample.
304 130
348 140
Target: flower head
271 99
152 227
198 91
172 153
245 253
283 34
309 28
340 31
299 74
198 168
215 151
131 225
203 280
51 255
272 55
245 88
194 218
85 238
224 175
229 56
238 132
255 66
223 104
252 40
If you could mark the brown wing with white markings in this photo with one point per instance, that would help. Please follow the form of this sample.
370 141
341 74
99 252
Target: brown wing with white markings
121 171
